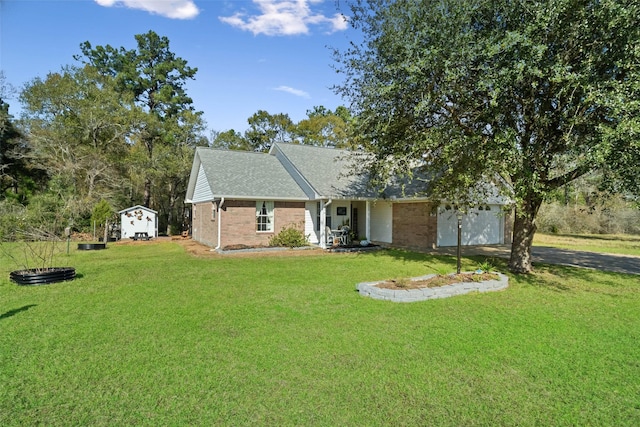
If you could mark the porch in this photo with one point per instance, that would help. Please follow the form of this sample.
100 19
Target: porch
343 223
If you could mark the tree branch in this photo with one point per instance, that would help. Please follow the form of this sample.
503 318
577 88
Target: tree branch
569 176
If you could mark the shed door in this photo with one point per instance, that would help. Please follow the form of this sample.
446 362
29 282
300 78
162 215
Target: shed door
481 226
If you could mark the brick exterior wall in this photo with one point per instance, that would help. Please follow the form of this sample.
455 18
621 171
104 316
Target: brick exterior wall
204 228
238 222
414 226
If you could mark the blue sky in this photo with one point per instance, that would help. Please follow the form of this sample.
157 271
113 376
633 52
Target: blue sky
251 55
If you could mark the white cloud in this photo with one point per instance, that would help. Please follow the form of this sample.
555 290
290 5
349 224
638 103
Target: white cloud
296 92
174 9
285 17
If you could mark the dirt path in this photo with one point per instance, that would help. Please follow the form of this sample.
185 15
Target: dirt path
204 251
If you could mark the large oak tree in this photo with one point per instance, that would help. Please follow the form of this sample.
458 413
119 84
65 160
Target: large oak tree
538 93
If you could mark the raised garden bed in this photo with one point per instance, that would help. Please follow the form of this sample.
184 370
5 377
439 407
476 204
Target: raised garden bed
42 276
91 246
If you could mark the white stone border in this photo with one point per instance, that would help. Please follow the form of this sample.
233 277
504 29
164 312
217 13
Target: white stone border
370 289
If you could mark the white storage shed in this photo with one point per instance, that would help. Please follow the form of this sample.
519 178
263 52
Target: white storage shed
138 219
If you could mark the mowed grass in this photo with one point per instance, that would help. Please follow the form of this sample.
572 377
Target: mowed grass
607 243
150 335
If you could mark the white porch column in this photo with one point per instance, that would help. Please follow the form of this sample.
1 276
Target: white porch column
367 219
323 225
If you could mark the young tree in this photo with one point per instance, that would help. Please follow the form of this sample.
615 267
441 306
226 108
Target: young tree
474 89
101 214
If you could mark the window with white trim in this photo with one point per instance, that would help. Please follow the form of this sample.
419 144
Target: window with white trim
264 215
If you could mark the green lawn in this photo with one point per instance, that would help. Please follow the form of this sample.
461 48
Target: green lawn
149 335
614 244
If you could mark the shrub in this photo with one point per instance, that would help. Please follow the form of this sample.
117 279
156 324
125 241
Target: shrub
290 237
12 216
101 213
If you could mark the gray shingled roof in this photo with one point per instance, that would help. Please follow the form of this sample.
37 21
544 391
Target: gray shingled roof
331 172
243 174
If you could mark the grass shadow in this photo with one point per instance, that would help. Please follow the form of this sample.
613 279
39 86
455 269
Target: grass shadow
411 256
544 276
15 311
436 262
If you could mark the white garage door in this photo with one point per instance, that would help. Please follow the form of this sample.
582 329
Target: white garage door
481 226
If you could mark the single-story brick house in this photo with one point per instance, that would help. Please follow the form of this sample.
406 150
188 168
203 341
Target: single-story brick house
245 198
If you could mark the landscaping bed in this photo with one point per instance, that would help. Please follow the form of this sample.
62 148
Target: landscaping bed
437 280
433 286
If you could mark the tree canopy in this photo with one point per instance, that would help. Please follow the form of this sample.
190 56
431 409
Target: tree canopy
537 93
118 127
322 127
14 169
156 78
77 128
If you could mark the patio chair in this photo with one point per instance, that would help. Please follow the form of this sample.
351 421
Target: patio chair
331 237
344 236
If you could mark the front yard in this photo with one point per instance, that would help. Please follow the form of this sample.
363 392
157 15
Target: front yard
150 334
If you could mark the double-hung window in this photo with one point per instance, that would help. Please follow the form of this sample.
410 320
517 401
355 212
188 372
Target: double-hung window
264 215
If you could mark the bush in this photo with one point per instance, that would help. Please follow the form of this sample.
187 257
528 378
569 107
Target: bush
12 217
290 237
40 218
101 213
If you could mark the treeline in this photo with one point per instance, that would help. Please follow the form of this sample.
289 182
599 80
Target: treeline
584 207
117 129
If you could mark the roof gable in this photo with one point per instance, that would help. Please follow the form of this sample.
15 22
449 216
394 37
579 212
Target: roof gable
241 175
135 208
329 172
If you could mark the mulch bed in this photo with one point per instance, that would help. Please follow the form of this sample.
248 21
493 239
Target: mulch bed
437 281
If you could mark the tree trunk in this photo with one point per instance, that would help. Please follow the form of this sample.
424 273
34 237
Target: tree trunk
147 193
172 204
524 228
